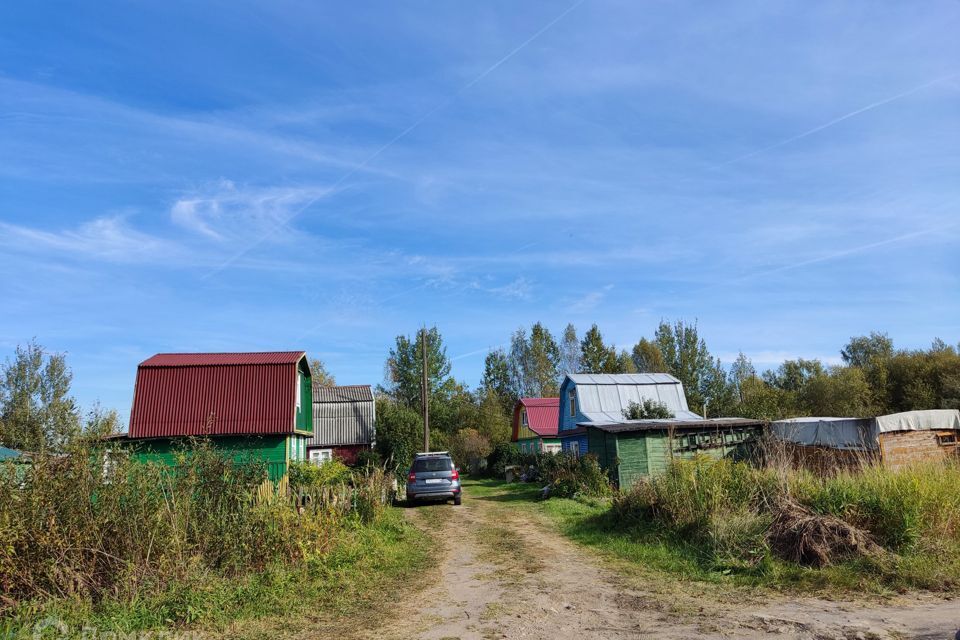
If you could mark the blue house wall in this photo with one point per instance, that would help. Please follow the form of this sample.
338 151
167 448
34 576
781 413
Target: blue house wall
569 422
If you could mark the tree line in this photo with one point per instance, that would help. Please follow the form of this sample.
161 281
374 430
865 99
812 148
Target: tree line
38 412
873 378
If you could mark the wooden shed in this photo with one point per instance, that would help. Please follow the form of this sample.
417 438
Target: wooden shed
249 405
636 449
895 440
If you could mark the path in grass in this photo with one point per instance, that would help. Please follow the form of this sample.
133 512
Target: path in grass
507 572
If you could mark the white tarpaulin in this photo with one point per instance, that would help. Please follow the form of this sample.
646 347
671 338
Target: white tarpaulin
860 433
919 420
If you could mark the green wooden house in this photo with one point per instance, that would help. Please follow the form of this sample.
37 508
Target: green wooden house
636 449
252 406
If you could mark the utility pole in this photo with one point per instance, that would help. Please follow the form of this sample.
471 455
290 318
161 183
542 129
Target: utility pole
425 391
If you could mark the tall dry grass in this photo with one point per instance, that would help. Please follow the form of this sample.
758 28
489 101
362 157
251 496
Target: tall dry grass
902 525
92 526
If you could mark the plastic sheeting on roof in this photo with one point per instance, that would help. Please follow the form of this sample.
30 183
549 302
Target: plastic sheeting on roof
861 433
919 420
604 397
836 433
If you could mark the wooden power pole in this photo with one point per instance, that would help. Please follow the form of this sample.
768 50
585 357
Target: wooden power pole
425 391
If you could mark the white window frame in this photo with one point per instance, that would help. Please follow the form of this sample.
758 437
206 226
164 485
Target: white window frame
299 384
572 401
322 455
552 448
575 448
523 418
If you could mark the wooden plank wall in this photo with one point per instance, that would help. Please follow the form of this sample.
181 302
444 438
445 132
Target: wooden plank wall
903 448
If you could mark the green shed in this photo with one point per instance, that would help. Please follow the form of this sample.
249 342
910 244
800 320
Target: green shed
249 405
637 449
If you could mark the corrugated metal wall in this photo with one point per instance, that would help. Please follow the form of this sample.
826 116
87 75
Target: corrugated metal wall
340 423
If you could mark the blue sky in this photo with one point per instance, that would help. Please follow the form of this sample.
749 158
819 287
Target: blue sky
299 175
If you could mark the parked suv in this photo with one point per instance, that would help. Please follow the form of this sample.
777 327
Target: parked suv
433 476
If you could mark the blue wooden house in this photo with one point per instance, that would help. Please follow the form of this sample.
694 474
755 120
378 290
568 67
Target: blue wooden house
602 398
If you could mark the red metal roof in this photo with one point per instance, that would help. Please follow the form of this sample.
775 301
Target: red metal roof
195 394
215 359
543 416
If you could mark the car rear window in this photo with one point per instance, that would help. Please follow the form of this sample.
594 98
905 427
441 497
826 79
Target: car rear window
432 464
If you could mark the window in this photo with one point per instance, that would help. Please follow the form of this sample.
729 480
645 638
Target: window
319 456
575 448
432 464
572 401
523 417
299 384
552 448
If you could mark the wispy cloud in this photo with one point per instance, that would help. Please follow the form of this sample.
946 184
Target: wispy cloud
517 289
108 238
591 300
227 211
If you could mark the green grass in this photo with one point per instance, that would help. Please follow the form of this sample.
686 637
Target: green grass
661 557
351 586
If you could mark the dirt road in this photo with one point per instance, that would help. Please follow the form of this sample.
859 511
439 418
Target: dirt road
508 574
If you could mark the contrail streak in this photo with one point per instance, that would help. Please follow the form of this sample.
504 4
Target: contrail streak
400 136
846 252
831 123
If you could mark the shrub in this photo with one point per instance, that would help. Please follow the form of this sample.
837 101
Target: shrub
368 458
503 455
570 476
647 410
306 475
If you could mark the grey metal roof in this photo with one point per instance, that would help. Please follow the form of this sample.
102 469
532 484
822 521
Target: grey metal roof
344 393
343 415
603 397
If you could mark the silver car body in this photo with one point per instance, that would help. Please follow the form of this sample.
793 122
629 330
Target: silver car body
433 476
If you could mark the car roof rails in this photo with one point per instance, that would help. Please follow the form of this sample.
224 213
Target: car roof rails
427 454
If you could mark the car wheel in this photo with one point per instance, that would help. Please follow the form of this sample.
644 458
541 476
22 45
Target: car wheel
457 499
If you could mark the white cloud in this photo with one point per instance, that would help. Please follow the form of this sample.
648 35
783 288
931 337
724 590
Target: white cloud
591 300
518 289
227 211
107 238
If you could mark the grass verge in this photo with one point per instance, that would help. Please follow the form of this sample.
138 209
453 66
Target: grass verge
662 557
347 589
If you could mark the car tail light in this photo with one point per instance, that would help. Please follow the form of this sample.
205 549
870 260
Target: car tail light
411 477
455 475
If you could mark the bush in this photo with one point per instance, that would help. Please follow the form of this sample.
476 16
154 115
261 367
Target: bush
570 476
368 458
306 475
503 455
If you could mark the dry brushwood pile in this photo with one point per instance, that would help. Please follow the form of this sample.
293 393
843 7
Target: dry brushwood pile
799 535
